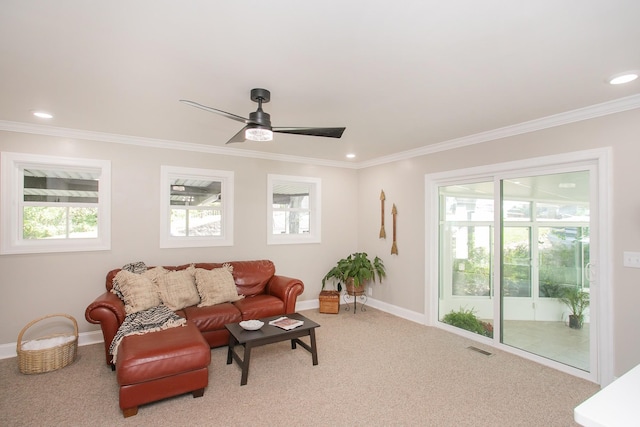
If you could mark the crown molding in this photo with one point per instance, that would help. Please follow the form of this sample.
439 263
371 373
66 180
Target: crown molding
586 113
38 129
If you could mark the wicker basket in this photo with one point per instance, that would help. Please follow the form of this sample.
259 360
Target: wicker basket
329 302
51 358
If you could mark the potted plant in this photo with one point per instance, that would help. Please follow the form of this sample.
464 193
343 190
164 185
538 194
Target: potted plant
355 271
577 300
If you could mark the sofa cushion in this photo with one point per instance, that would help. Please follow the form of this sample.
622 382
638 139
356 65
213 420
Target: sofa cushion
251 277
178 288
138 291
259 306
216 286
213 317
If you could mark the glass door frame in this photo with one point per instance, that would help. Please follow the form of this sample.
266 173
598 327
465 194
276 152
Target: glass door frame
598 161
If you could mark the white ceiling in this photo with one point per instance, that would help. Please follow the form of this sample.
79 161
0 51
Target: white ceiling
399 75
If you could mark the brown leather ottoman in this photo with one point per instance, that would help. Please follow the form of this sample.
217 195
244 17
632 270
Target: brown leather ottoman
161 364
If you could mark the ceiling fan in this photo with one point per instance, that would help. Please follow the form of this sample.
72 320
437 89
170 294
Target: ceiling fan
258 125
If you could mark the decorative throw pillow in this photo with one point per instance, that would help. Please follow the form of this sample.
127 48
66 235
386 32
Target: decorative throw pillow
138 267
115 288
155 272
178 288
216 286
138 291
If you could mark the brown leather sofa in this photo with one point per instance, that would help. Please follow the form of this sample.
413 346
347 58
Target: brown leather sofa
266 294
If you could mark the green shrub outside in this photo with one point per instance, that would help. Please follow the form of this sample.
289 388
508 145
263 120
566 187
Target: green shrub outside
467 319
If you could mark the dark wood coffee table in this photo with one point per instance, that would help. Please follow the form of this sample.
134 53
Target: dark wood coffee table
267 335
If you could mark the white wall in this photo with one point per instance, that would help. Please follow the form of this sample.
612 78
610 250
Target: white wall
403 183
38 284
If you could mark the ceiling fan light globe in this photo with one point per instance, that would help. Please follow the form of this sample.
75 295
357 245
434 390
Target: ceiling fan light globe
258 134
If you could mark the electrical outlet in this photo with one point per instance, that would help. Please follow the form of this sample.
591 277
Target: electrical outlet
370 291
632 259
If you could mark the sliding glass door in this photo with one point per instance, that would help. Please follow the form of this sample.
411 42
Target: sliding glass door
466 239
545 257
514 253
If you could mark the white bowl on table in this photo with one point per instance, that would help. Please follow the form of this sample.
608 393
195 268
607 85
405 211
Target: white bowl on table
251 325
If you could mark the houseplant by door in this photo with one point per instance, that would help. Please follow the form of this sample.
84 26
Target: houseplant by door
355 271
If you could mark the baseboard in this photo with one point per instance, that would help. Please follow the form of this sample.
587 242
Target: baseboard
412 316
87 338
307 305
380 305
9 350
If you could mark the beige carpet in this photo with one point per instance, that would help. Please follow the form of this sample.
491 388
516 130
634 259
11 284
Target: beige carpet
374 369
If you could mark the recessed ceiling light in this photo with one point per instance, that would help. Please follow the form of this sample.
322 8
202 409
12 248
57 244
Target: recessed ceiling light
622 78
351 156
43 114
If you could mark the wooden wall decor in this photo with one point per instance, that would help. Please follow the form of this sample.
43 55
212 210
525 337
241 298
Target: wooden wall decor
394 246
383 234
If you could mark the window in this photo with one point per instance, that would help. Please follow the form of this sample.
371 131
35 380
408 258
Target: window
54 204
197 207
466 237
293 209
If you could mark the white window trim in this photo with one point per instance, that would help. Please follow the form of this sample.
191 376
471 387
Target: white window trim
226 177
11 240
315 234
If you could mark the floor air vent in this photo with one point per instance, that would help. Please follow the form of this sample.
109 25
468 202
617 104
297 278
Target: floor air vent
479 350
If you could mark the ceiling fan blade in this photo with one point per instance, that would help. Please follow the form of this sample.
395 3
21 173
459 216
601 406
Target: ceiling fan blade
238 137
213 110
327 132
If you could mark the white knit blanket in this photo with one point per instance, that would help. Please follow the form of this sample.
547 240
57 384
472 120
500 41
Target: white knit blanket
145 321
47 343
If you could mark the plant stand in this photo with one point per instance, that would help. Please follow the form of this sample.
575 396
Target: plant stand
355 296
